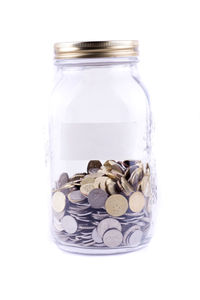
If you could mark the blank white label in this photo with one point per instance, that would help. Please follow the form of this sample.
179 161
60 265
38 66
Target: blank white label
85 141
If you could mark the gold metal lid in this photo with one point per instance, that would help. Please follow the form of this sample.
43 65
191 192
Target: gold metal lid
96 49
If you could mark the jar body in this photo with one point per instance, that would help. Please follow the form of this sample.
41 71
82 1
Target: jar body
102 174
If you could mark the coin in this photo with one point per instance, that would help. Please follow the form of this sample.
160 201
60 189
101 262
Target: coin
76 196
116 205
108 165
145 185
87 179
59 215
69 224
112 238
137 202
110 186
97 182
127 188
136 176
102 184
97 198
63 179
113 165
86 188
58 201
129 171
130 230
149 205
106 224
94 164
96 237
57 224
97 207
77 177
135 238
128 163
119 186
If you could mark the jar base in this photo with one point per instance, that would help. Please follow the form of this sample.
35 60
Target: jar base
101 251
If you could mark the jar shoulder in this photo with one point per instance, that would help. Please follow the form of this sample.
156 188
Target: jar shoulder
100 96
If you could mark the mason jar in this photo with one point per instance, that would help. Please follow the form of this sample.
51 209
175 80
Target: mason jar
102 170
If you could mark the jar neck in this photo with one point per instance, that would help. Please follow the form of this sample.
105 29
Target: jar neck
103 61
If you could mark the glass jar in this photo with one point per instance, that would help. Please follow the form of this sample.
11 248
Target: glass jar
102 173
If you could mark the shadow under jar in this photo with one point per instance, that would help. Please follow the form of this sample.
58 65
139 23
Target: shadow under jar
102 172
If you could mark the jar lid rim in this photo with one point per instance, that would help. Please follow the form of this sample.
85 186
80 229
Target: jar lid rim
95 49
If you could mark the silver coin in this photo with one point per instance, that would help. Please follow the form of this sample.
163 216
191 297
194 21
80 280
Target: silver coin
69 224
57 224
146 219
130 230
96 237
76 196
59 215
97 198
85 227
88 243
61 236
135 238
106 224
112 238
63 179
140 223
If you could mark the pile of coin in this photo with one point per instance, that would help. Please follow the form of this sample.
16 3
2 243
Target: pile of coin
107 206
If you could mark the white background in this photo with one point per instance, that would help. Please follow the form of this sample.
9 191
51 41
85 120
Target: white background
31 266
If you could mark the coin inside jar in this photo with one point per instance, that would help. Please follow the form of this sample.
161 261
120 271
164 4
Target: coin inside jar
145 186
69 224
87 179
86 188
94 165
135 238
112 238
97 198
106 207
58 202
64 178
96 237
137 202
116 205
106 224
76 196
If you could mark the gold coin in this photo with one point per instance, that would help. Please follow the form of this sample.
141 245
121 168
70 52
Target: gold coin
102 184
137 202
111 186
87 179
127 188
107 165
58 202
145 185
113 175
116 205
136 176
97 182
113 165
87 188
95 175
